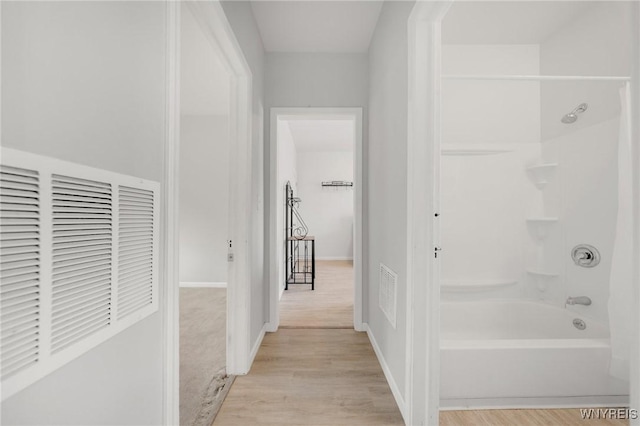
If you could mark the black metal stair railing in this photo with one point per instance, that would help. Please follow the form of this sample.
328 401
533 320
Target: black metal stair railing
300 247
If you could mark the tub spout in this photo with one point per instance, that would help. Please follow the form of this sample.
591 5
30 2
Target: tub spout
580 300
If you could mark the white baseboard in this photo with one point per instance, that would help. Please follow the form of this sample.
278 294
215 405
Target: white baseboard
334 258
395 390
191 284
256 345
534 402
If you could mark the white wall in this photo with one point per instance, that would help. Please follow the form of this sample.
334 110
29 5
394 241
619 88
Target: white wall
316 79
328 211
320 80
204 156
387 180
204 198
85 82
287 172
246 31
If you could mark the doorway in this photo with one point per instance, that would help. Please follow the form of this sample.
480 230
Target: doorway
318 152
220 40
204 179
428 58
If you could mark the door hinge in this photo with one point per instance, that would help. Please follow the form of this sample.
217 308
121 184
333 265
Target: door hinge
230 251
436 249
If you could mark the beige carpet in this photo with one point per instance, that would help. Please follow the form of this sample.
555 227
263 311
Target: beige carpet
330 305
203 319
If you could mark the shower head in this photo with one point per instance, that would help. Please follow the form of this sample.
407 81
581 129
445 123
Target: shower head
573 115
569 118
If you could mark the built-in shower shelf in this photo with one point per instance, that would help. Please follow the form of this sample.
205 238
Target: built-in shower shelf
449 286
541 174
542 278
539 226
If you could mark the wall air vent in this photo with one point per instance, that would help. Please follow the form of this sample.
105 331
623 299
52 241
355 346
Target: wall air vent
78 261
388 293
20 242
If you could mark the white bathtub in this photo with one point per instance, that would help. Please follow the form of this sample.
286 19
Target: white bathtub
511 353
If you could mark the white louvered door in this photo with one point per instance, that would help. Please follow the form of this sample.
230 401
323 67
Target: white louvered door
78 261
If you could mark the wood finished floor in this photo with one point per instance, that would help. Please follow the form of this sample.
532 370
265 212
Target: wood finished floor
560 417
312 377
316 370
330 305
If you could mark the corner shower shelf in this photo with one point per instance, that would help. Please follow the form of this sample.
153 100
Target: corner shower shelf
542 278
540 174
539 226
450 286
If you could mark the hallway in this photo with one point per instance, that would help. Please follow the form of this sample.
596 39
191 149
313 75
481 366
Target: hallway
330 305
316 369
312 377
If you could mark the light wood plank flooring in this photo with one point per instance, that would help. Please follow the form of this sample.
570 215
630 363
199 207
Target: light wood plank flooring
312 377
563 417
316 370
330 305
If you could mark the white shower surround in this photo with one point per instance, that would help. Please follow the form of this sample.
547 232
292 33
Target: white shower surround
516 353
526 352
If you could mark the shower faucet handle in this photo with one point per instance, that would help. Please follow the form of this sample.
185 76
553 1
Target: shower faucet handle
580 300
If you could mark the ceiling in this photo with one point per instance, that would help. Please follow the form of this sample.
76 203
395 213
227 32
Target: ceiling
316 26
204 82
513 22
323 135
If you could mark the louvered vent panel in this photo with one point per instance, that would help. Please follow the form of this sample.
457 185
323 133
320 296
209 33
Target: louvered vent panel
387 294
135 257
19 269
82 253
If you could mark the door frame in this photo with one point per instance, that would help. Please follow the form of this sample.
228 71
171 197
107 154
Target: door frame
212 19
274 239
423 349
423 144
634 114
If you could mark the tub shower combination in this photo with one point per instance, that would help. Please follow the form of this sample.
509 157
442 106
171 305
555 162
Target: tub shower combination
535 276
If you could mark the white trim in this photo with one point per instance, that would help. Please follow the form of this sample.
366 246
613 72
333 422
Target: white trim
192 284
422 378
169 242
257 344
395 389
276 264
213 21
534 77
540 403
634 373
334 258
